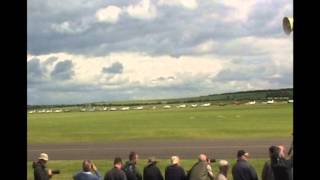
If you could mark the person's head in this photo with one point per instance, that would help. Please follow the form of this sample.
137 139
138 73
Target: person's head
175 160
223 167
117 163
202 157
133 157
274 151
86 165
242 155
152 160
282 151
43 158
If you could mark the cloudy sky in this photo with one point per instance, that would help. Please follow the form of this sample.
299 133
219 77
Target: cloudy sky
104 50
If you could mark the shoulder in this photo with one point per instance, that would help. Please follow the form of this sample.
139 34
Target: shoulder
221 177
122 172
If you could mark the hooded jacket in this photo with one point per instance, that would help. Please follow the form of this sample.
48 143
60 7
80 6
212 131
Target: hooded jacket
152 172
40 171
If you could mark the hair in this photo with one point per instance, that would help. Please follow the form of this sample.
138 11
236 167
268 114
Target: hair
42 161
224 170
274 154
175 160
240 153
132 156
86 165
117 160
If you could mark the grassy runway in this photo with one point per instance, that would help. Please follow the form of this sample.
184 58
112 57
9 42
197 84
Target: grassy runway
215 122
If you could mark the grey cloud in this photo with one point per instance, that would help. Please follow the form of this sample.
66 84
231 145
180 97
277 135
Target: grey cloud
115 68
50 60
264 14
34 69
164 78
166 34
35 72
243 73
239 74
63 70
175 32
57 92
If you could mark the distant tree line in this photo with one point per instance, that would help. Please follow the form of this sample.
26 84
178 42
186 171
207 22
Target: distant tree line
220 99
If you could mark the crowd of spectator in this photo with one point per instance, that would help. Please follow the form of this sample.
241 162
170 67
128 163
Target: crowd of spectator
278 167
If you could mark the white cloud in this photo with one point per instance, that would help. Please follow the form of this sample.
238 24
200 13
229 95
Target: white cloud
188 4
142 10
110 14
186 47
240 10
205 47
67 27
138 67
63 27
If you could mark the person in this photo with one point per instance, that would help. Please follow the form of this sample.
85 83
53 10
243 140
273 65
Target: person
174 171
41 172
267 173
86 174
281 167
242 170
151 171
116 173
130 168
223 170
200 170
209 168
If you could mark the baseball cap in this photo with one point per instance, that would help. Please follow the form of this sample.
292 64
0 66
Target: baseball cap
43 156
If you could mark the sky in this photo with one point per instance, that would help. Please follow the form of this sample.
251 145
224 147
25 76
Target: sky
81 51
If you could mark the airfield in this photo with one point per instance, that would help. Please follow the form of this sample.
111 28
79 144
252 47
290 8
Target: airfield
219 131
216 130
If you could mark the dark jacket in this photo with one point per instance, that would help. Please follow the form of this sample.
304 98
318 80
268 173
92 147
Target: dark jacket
131 171
242 170
175 172
87 176
282 169
152 172
267 173
40 171
115 174
199 171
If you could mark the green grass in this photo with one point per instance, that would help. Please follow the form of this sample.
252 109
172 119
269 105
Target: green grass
215 122
69 168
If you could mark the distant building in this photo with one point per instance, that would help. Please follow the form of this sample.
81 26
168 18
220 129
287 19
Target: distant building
194 105
113 109
125 108
206 105
290 101
181 106
139 108
166 107
270 101
251 102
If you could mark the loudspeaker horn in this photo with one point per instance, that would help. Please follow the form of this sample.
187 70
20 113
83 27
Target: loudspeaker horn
287 24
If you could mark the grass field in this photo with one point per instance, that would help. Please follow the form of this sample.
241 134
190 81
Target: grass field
215 122
69 168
